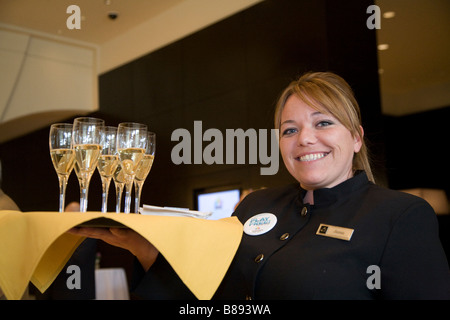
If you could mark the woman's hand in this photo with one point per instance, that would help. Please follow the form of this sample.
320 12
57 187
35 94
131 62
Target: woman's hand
127 239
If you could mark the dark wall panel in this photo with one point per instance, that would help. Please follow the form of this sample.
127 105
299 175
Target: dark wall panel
416 149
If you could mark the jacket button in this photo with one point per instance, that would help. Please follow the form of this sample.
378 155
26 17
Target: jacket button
259 258
304 211
284 236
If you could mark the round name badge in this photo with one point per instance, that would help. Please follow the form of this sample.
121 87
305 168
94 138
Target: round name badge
260 224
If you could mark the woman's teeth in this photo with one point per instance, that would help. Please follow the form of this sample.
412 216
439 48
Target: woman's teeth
312 156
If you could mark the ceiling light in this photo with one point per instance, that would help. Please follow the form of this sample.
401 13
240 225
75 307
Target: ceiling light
383 46
389 14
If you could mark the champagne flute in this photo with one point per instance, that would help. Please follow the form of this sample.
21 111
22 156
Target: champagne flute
63 156
143 169
131 145
119 178
107 162
86 142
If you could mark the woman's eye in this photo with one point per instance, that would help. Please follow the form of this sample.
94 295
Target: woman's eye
324 123
289 131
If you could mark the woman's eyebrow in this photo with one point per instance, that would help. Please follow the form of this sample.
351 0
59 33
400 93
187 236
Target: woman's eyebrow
286 122
314 114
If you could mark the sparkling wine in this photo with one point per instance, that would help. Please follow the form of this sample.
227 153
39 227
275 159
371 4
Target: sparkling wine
144 167
119 176
63 160
107 165
130 158
87 156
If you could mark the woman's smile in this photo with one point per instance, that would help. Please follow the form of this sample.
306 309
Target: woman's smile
312 156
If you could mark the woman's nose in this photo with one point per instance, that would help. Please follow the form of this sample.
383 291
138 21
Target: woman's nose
306 137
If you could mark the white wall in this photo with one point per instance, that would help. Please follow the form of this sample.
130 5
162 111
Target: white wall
40 75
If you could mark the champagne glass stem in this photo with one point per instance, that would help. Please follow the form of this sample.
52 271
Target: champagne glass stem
128 188
119 190
84 190
105 190
62 192
137 193
83 199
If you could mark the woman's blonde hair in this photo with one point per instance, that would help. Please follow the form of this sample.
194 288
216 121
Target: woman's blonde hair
328 93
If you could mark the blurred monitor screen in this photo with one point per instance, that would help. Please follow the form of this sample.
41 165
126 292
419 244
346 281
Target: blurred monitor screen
220 203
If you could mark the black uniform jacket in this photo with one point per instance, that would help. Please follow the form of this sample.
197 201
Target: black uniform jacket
394 251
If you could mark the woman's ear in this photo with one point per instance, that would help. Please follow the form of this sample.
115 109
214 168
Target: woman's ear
358 140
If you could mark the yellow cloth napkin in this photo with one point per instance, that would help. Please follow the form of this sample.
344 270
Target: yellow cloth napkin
35 246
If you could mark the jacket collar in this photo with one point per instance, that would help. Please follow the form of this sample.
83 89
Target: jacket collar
328 196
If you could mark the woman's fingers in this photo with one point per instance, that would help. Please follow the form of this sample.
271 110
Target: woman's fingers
97 233
111 236
123 238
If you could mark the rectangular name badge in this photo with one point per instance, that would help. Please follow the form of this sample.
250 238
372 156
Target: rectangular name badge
341 233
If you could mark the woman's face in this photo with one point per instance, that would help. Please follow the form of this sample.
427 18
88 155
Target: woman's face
316 148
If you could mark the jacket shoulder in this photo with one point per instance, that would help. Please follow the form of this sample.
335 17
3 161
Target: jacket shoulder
392 204
394 197
267 199
270 195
